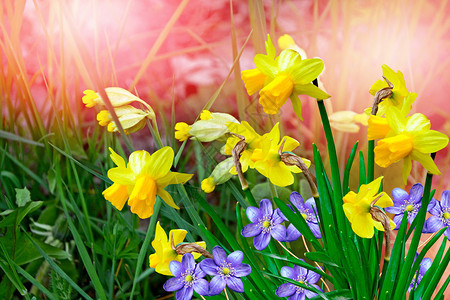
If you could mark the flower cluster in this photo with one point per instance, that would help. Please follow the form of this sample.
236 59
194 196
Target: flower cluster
131 119
189 277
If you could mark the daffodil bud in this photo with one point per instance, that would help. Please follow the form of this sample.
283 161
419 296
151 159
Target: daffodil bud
132 119
347 121
219 175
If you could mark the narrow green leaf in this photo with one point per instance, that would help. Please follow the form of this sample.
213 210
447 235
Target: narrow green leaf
348 167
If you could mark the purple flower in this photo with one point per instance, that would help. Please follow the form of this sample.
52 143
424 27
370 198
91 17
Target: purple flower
424 266
226 271
302 275
440 215
188 277
410 203
307 210
265 223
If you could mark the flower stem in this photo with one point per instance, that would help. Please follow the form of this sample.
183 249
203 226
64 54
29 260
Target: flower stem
287 250
370 161
144 248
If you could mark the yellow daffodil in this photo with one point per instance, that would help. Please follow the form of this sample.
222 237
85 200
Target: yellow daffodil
219 175
210 127
144 177
357 208
253 150
347 121
270 164
132 119
254 79
400 94
286 76
164 253
287 42
409 139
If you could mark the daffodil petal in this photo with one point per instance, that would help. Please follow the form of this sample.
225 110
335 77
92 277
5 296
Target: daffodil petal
296 105
161 161
430 141
310 90
117 159
395 120
280 175
167 198
290 60
308 70
362 225
173 178
407 166
139 161
123 176
178 236
266 65
426 161
384 201
417 123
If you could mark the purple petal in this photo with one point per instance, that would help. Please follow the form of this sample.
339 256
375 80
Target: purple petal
198 272
447 233
310 204
300 271
201 287
208 266
242 270
411 217
261 240
251 230
425 265
445 198
265 207
433 224
431 204
235 284
176 268
315 229
185 293
297 296
311 294
285 290
312 277
236 257
216 285
292 234
219 256
399 195
436 209
288 272
278 232
297 200
415 193
188 262
397 220
394 210
173 284
253 214
278 217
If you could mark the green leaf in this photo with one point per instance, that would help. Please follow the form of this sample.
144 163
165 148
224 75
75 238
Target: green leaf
22 196
342 294
19 213
322 258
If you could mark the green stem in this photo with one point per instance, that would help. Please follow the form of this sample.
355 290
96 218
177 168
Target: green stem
370 161
251 200
144 248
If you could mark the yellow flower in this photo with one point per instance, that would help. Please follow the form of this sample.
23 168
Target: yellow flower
210 127
118 97
219 175
164 253
286 76
182 131
254 79
270 164
409 138
357 208
287 42
253 150
132 119
400 94
144 177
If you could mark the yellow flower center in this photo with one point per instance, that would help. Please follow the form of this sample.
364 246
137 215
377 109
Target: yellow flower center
391 150
188 278
409 208
143 196
225 271
378 128
257 154
446 215
266 224
275 94
304 216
